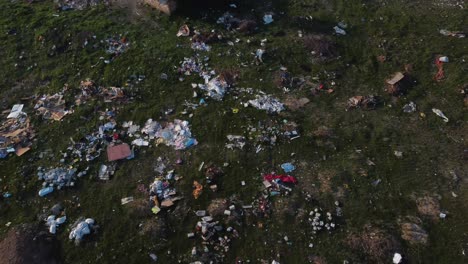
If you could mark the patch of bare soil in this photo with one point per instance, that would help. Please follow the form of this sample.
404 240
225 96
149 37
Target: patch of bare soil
26 245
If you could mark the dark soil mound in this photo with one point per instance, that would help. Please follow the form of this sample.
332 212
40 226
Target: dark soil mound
26 245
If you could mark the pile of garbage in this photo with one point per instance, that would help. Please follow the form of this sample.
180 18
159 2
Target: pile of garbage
81 228
215 237
16 133
52 106
57 177
215 88
267 103
162 193
192 65
92 145
89 90
116 45
174 134
276 184
409 108
368 102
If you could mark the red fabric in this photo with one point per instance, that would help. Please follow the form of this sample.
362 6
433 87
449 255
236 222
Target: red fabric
440 70
282 177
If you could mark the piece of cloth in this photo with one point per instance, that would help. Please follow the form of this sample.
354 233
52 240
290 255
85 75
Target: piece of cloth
282 177
118 152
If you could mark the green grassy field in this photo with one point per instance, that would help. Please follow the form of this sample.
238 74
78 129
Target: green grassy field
406 33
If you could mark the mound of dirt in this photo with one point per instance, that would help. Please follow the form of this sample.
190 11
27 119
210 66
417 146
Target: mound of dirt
27 245
428 206
376 243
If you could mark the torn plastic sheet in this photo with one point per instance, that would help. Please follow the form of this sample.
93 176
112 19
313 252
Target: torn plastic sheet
267 103
216 88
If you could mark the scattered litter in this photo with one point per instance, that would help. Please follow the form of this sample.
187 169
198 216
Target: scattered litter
235 142
397 258
376 182
444 59
140 142
213 235
228 20
267 103
200 213
117 45
268 19
216 88
126 200
191 65
153 257
89 91
16 111
339 30
440 114
398 84
288 167
259 55
45 191
368 102
201 46
439 62
409 108
16 135
198 189
106 171
457 34
51 107
320 220
184 31
162 193
398 154
66 5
